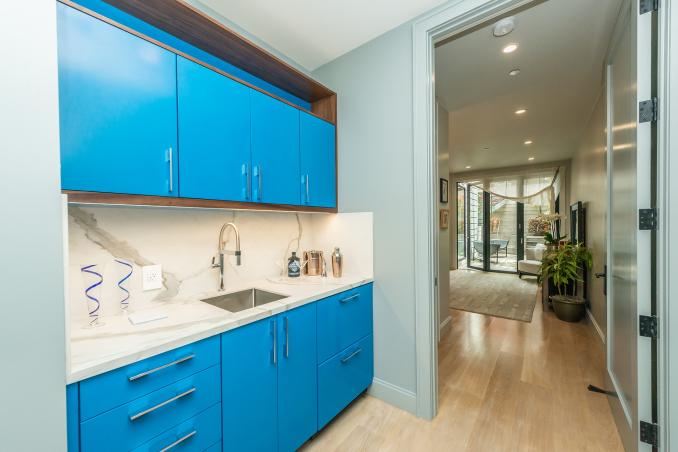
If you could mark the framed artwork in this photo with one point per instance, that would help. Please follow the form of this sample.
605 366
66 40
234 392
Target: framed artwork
444 218
443 190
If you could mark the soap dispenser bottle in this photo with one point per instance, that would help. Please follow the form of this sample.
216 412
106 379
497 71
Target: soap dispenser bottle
293 266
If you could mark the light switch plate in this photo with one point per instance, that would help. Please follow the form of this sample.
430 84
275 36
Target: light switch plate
152 277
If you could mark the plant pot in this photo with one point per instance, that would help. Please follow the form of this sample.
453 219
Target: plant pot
569 308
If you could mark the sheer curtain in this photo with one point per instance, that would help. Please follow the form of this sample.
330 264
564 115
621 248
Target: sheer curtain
540 188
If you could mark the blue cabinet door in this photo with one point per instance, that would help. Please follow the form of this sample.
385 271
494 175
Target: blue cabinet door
297 377
214 138
317 146
117 109
275 150
249 387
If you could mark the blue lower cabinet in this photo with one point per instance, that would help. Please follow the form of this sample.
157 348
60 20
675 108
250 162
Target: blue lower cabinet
343 319
73 417
297 377
249 357
196 434
216 447
139 421
112 389
343 377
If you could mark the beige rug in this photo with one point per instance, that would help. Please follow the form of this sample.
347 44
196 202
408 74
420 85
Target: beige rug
496 294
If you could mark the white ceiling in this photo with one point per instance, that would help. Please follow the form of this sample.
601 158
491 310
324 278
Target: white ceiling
314 32
562 45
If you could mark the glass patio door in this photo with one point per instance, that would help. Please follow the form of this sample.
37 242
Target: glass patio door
504 238
475 223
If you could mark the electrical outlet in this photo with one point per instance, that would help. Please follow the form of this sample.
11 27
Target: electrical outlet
152 277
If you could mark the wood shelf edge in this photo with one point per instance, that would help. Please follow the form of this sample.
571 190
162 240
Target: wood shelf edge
87 197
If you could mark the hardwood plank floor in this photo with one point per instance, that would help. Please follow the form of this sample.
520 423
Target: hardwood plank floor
504 385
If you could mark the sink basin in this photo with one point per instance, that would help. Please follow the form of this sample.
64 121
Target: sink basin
245 299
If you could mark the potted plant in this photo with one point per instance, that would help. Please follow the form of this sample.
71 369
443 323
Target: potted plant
552 242
563 266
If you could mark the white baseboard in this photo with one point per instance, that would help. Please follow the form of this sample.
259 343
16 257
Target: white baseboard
595 325
445 326
394 395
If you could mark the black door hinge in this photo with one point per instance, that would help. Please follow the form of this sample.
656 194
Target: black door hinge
649 433
646 6
647 110
647 219
647 326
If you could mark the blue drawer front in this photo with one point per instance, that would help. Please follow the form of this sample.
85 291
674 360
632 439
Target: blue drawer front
343 319
342 378
216 447
112 389
196 434
116 430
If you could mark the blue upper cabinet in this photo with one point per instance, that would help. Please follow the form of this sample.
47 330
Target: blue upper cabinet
297 377
214 138
117 100
249 386
318 161
275 151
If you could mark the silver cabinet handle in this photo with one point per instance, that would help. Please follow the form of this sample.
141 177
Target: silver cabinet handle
246 181
179 441
287 337
260 180
351 298
274 332
170 159
134 417
308 199
164 366
351 356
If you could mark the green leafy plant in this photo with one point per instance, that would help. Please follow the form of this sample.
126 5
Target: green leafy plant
563 265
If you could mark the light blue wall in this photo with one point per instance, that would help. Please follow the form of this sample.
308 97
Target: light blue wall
374 86
32 370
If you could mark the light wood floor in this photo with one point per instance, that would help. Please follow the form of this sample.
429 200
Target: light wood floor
504 385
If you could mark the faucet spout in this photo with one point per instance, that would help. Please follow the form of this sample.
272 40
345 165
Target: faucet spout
221 251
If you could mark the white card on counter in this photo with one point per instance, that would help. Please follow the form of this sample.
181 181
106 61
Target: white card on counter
139 318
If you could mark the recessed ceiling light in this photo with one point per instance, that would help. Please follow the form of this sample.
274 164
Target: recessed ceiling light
530 158
528 141
510 48
467 167
521 111
503 27
514 72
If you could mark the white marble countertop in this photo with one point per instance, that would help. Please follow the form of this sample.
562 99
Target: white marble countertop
117 342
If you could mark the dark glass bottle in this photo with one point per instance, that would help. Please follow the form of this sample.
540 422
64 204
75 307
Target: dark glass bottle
293 266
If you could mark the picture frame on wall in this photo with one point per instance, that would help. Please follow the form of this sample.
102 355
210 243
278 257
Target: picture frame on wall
443 191
444 218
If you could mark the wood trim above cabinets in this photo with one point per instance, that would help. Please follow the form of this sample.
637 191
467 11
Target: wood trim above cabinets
86 197
191 25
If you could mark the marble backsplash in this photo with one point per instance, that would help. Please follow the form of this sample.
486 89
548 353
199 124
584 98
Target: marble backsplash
184 241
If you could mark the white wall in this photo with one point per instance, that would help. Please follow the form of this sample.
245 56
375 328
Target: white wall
588 179
374 87
442 135
32 380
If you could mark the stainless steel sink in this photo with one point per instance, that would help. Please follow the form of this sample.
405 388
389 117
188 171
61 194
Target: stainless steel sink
245 299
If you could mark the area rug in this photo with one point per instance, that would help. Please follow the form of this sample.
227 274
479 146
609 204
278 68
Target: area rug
497 294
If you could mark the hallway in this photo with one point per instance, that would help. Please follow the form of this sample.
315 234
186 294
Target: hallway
504 385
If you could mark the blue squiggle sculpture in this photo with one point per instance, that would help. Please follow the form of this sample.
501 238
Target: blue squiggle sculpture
124 303
93 311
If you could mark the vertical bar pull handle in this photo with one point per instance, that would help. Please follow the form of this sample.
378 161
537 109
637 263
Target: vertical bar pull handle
170 161
287 337
308 198
245 181
274 351
261 182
